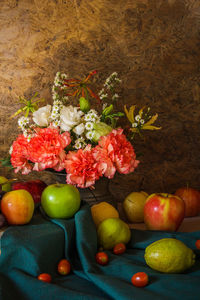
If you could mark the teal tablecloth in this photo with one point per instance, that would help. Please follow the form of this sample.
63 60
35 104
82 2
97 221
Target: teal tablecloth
37 247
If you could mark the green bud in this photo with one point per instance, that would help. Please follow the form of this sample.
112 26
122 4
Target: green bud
84 104
107 110
101 129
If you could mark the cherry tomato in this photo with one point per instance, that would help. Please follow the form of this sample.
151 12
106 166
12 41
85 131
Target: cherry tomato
119 248
197 244
45 277
140 279
64 267
102 258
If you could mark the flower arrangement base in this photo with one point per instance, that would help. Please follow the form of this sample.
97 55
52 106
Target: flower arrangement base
100 192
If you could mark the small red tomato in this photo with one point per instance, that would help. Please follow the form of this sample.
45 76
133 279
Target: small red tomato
119 248
44 277
197 244
102 258
64 267
140 279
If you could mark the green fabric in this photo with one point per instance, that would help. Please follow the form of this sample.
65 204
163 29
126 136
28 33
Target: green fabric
36 248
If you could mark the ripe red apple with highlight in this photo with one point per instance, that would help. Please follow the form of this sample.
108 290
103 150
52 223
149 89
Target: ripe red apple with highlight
164 212
17 207
191 197
34 187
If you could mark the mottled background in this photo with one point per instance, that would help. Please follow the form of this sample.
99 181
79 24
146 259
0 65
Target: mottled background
152 44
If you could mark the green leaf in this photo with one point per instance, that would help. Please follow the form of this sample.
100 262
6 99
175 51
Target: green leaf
5 162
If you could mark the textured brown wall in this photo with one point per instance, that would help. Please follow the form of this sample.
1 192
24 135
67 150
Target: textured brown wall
152 44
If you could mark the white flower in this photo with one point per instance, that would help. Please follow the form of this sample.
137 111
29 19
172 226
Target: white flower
104 106
77 145
11 150
42 116
115 96
23 121
137 118
134 125
142 121
89 135
70 116
79 129
89 125
56 123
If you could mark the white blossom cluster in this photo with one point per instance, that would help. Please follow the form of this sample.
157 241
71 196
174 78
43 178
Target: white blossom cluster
23 123
109 85
140 119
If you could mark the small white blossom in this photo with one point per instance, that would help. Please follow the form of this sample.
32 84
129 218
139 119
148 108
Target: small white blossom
115 96
23 121
56 123
11 150
103 96
77 145
137 118
104 106
101 92
142 121
89 125
134 125
89 135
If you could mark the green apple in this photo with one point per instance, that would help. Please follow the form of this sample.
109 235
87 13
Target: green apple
60 200
7 186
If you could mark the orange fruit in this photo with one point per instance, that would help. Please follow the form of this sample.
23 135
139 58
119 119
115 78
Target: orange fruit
102 211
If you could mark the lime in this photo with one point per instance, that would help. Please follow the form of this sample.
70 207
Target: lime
113 231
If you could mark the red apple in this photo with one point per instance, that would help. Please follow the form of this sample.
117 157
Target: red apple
34 187
18 207
191 197
163 212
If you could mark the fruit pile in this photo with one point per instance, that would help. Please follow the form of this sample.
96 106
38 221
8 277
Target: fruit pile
18 200
162 211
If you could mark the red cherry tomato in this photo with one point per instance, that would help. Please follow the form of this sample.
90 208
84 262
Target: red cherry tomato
140 279
119 248
64 267
197 244
102 258
45 277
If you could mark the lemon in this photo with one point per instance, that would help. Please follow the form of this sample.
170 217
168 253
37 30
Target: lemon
133 206
102 211
169 255
113 231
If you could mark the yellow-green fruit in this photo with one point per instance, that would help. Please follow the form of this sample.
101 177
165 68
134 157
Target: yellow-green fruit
169 255
133 206
113 231
5 187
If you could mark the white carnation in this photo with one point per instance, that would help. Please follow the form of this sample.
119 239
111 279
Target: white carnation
42 116
69 117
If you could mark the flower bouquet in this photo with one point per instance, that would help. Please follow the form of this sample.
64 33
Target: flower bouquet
83 140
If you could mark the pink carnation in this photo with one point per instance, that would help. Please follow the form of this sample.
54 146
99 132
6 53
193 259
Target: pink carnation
82 168
105 165
120 151
46 149
19 156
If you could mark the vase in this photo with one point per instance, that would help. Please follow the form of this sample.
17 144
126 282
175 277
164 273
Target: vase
92 195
